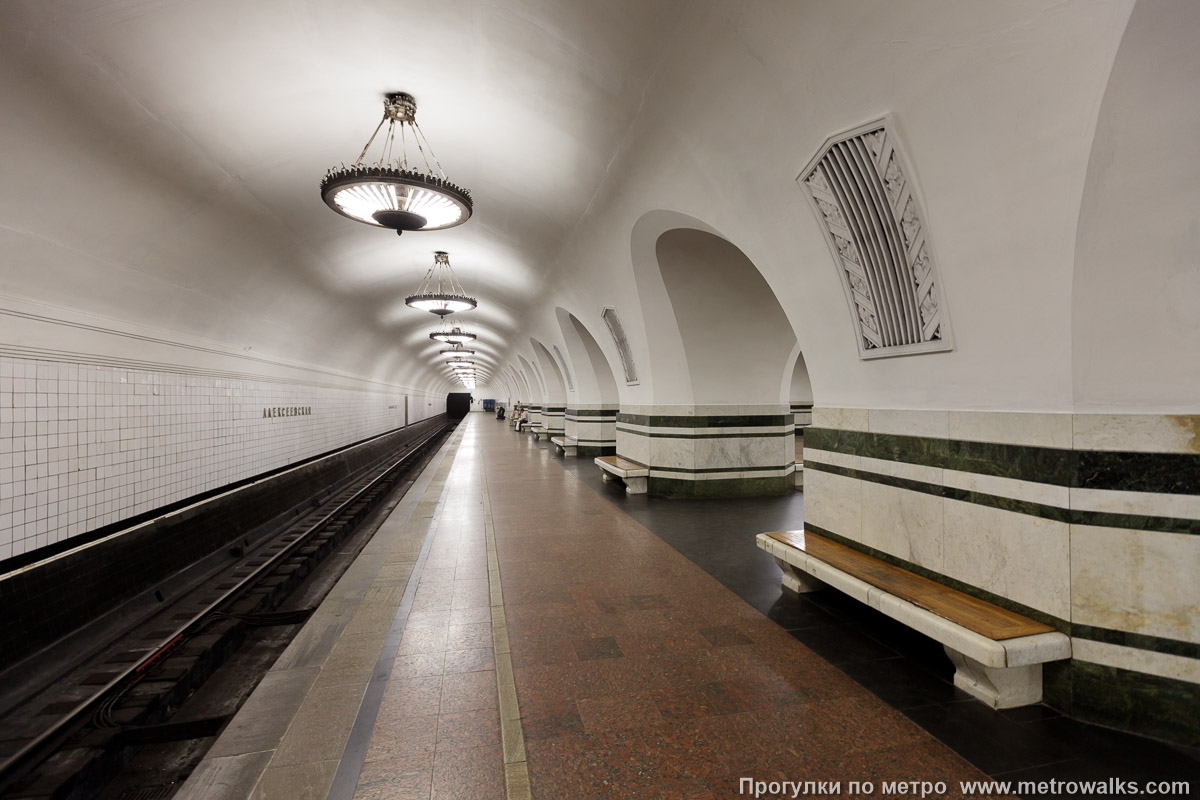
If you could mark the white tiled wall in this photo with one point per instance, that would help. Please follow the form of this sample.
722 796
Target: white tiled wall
82 446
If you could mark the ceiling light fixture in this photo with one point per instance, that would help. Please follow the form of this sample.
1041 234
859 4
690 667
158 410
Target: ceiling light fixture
456 350
390 193
453 335
441 293
460 362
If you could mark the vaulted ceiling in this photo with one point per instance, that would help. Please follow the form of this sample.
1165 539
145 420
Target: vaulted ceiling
187 141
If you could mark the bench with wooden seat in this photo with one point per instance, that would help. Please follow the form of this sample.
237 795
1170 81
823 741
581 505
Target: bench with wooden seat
635 476
997 654
540 433
567 445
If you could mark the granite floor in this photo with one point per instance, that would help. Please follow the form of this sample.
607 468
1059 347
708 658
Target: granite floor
520 629
640 675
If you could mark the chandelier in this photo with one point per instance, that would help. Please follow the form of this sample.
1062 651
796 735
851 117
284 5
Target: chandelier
391 194
441 293
461 363
453 335
456 350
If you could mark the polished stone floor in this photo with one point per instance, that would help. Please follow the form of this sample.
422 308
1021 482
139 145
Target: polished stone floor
642 675
907 671
519 629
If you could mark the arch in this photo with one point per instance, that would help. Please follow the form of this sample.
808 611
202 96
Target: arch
593 374
537 386
729 322
556 389
798 387
1135 303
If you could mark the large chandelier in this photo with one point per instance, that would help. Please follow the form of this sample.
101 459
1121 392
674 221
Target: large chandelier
456 350
391 194
453 335
441 293
460 363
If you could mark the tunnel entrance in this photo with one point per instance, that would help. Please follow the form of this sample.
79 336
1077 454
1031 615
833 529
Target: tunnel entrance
458 405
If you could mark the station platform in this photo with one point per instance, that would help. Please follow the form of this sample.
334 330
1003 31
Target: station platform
512 632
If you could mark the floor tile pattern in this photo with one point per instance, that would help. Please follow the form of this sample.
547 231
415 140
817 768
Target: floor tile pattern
641 676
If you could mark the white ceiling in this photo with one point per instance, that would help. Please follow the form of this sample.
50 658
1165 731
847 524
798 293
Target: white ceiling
189 138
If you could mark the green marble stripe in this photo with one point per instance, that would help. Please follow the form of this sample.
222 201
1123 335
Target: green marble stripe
1151 705
590 412
592 451
732 487
1138 641
1100 519
1165 473
754 421
555 409
979 498
604 442
768 435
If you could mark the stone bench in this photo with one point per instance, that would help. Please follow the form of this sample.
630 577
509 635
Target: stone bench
997 654
541 433
566 445
635 476
799 474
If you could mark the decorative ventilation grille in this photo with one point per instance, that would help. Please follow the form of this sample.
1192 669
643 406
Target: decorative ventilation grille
566 370
618 334
873 223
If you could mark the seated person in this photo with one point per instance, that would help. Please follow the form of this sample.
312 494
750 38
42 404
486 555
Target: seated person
523 419
499 412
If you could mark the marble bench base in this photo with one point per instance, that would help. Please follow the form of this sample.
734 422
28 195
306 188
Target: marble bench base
637 481
566 445
1004 673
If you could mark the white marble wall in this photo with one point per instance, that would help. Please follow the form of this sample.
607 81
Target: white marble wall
674 452
1116 578
84 445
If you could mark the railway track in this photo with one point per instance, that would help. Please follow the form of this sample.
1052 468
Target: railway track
69 738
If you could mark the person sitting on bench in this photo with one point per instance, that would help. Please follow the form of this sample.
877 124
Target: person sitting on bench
523 419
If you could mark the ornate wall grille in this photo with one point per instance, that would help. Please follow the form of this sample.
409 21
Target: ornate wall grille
618 334
862 194
562 362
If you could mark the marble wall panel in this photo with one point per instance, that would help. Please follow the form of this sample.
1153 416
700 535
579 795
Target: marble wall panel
1005 427
1139 433
1018 556
834 503
850 419
904 523
1142 581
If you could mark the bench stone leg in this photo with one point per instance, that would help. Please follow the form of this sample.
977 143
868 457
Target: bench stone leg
999 687
798 580
636 485
606 475
570 450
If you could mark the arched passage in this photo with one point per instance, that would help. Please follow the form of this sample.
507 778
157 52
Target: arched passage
721 353
555 406
591 417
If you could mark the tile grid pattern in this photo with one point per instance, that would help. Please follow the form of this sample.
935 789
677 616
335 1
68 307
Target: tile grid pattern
87 445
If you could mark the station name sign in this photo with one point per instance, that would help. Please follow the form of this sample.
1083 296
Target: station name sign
287 411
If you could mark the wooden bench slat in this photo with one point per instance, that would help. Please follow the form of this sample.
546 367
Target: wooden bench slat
621 463
970 612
